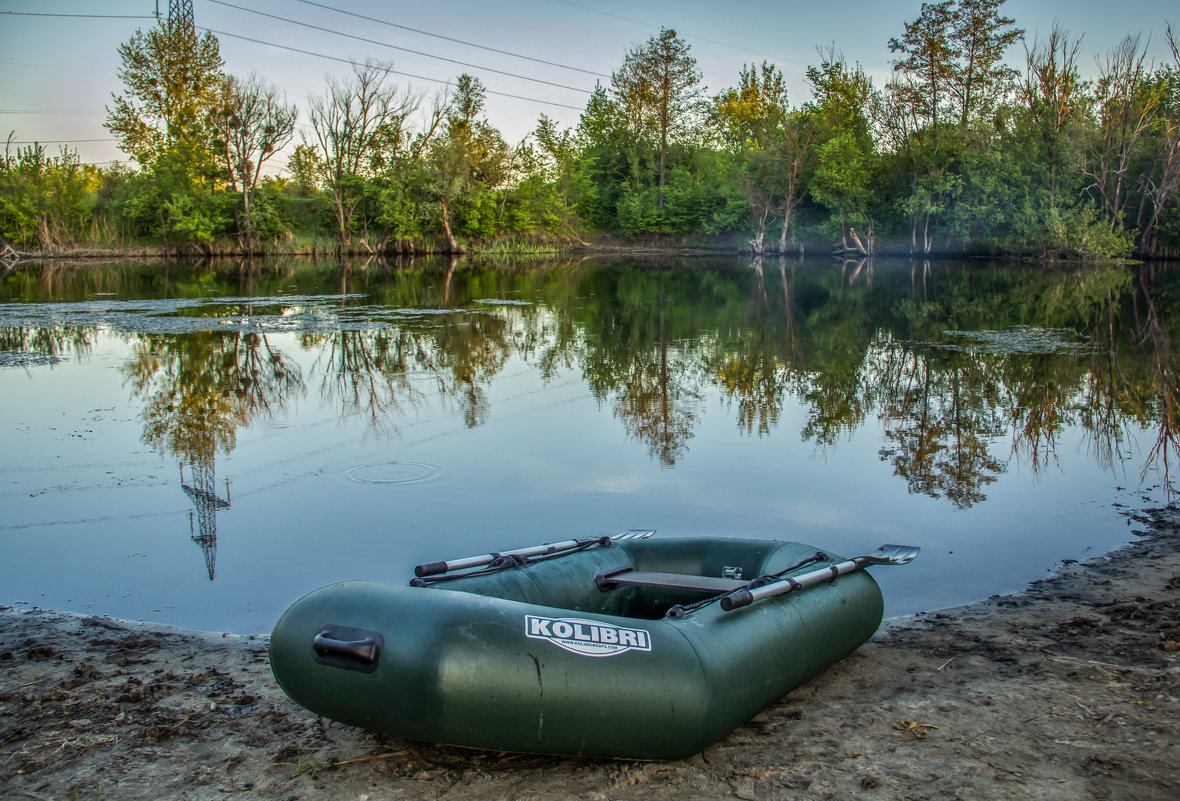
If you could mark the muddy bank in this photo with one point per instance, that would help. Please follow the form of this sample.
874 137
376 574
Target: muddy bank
1068 690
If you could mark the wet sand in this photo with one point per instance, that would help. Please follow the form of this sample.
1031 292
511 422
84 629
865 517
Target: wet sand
1067 690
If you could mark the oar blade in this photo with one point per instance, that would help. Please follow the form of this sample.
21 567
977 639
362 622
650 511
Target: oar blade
635 534
891 555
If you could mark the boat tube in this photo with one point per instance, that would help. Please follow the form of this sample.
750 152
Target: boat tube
624 647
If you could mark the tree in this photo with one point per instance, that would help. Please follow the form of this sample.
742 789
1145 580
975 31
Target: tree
469 157
307 169
1052 126
1054 102
748 115
980 36
172 77
755 118
928 56
358 123
659 88
1129 100
250 124
841 184
1161 176
843 145
559 152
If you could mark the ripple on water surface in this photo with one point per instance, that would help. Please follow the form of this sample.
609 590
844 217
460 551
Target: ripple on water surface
392 473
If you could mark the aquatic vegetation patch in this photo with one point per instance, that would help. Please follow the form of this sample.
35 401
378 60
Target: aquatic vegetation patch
23 358
307 314
1024 340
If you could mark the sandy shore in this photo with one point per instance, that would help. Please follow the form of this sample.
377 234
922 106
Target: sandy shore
1068 690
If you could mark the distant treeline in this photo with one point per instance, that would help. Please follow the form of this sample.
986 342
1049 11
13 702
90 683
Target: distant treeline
958 152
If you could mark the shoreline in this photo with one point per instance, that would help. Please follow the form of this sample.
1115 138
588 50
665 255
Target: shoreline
1063 690
606 247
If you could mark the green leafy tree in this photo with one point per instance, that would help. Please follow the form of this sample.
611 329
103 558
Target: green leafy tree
467 162
172 77
927 57
981 36
842 184
659 89
844 146
755 120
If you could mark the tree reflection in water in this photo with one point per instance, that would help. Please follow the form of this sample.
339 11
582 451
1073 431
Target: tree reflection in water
965 369
197 391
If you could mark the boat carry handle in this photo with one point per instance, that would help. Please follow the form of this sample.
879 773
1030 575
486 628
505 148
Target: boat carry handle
348 648
439 568
885 555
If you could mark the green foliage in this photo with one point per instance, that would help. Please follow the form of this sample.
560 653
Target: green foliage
842 180
191 220
270 216
957 152
172 77
45 201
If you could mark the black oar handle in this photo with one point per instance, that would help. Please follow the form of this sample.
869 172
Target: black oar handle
737 600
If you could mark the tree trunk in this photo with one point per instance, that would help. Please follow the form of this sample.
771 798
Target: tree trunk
663 161
860 247
452 246
342 220
759 238
782 237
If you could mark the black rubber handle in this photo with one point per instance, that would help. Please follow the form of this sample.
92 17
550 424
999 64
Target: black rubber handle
363 651
430 569
348 648
736 600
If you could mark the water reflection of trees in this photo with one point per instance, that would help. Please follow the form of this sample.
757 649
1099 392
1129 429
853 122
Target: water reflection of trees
845 341
54 342
640 353
940 416
197 390
945 409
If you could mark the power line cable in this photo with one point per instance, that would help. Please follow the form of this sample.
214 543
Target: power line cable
42 66
384 69
456 41
686 34
83 16
396 47
47 112
57 141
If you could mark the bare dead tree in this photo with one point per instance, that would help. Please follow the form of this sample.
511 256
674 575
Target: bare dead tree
250 123
1158 184
1128 105
359 123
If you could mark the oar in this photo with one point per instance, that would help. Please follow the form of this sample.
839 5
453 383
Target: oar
438 568
885 555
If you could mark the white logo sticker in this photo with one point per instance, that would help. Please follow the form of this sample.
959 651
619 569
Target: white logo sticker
586 637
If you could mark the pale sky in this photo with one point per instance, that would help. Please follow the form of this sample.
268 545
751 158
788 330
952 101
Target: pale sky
58 73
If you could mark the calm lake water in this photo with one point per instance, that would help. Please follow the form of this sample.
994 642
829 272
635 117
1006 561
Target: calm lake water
198 446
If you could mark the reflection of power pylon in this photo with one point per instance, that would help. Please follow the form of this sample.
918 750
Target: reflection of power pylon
203 493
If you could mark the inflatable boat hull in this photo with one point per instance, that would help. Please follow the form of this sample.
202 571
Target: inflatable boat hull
540 659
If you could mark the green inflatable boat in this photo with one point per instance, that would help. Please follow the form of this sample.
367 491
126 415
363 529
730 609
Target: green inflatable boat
624 647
